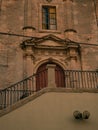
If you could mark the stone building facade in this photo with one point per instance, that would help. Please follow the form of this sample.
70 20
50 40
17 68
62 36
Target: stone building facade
38 32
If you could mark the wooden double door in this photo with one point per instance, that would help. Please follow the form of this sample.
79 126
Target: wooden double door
42 76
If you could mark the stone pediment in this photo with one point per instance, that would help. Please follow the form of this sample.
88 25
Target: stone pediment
50 43
47 41
51 39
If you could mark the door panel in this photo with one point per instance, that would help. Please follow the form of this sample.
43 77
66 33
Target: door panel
41 77
59 77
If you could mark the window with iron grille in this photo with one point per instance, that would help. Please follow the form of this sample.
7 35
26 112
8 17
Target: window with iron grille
49 18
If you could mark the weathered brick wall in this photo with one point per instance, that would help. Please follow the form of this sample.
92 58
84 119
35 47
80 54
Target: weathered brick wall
12 21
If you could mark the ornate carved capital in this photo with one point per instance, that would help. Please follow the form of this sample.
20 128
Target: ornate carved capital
28 52
72 51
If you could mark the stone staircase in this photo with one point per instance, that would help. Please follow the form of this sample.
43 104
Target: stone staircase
24 91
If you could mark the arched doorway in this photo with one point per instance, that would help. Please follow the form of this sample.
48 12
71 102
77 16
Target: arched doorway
42 76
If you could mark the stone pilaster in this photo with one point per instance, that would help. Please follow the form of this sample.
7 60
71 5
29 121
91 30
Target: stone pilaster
28 28
28 64
68 14
70 32
27 13
96 9
73 56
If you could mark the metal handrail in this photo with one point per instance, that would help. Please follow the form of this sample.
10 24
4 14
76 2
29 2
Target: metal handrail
18 91
76 79
81 79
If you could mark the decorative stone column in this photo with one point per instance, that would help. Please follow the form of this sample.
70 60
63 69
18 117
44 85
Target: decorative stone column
51 75
28 29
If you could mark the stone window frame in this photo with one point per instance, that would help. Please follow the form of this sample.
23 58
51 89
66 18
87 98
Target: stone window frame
49 20
40 19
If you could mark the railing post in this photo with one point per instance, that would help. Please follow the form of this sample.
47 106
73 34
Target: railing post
51 75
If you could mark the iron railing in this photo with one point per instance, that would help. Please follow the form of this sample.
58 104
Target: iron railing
20 90
73 79
81 79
